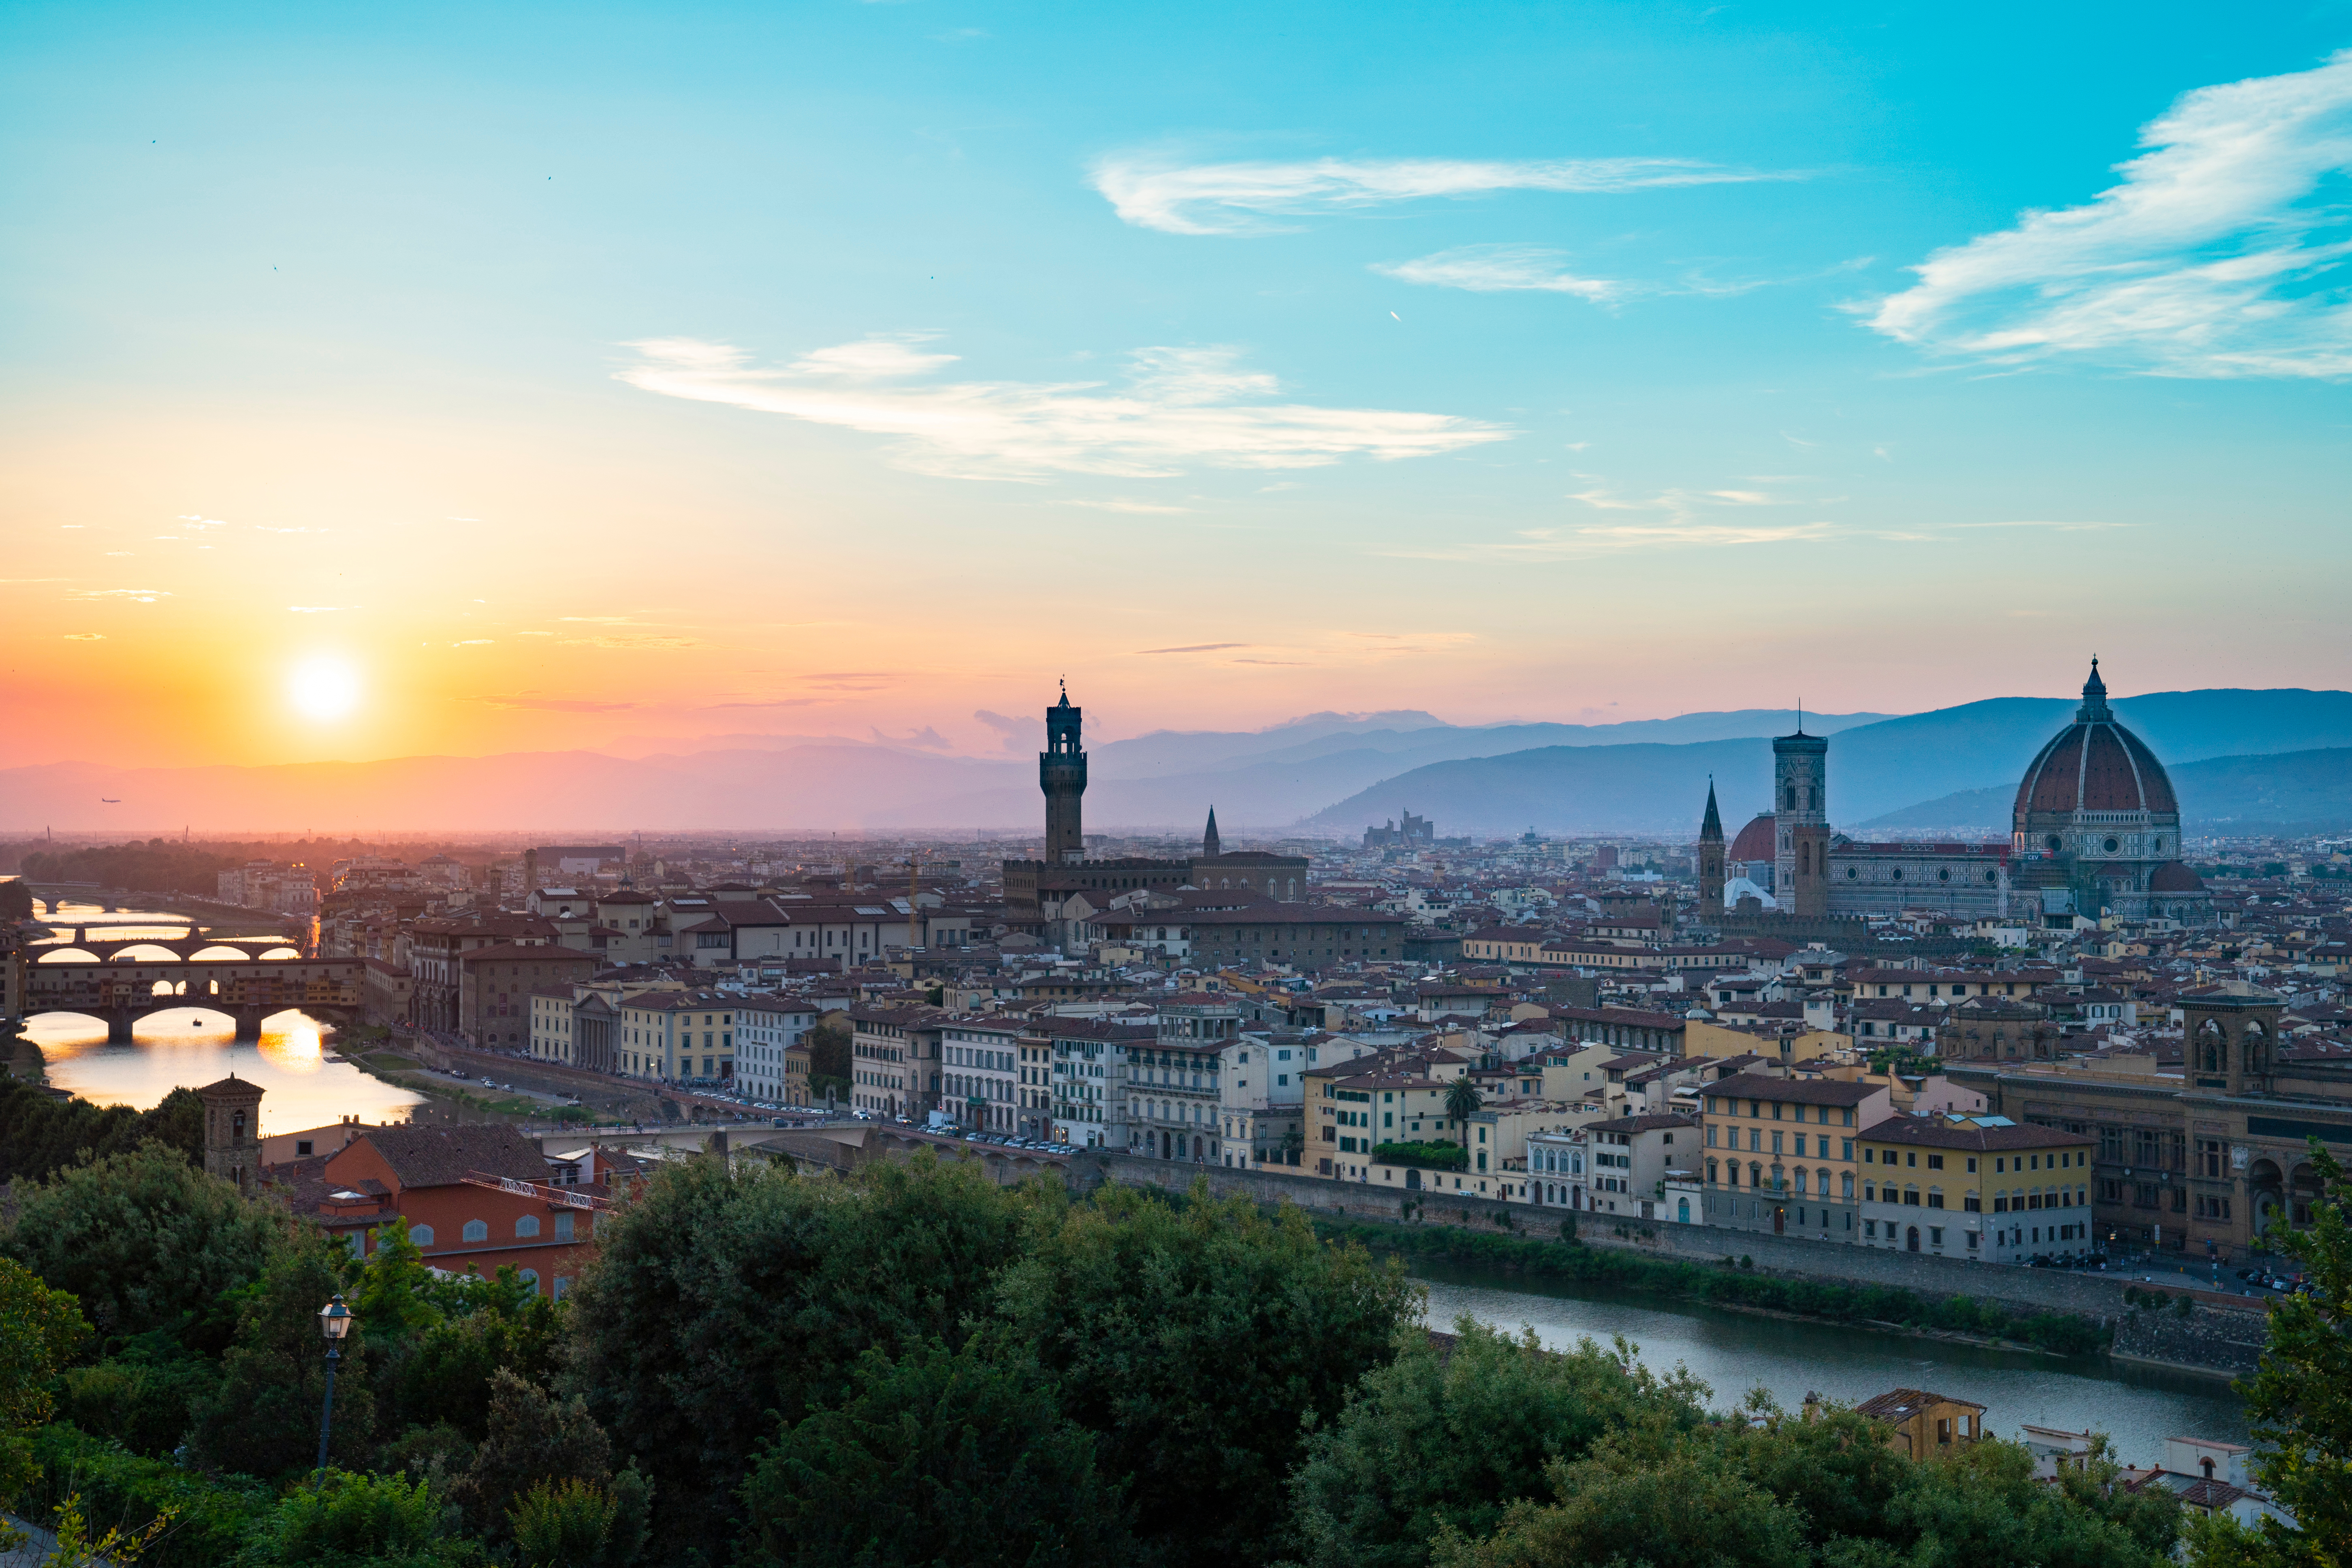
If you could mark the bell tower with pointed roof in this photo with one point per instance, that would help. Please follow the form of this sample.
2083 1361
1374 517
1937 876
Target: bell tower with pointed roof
1710 857
1211 847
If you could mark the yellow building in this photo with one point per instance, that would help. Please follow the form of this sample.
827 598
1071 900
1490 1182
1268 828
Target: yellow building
1703 1038
1975 1187
1781 1154
1925 1425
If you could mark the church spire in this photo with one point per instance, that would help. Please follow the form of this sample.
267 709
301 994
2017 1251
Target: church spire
1710 828
1209 847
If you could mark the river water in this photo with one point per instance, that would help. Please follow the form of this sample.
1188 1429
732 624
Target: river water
1735 1352
302 1084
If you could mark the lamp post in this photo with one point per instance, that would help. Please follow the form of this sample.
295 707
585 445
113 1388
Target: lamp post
335 1321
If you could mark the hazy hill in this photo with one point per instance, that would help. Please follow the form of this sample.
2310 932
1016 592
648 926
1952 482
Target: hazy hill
2290 793
1259 778
1875 769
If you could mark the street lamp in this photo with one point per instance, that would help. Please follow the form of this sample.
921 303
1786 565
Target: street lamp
335 1321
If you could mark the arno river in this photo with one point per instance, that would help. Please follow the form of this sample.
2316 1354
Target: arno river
1735 1352
195 1046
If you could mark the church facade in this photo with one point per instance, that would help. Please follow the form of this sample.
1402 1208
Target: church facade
2095 829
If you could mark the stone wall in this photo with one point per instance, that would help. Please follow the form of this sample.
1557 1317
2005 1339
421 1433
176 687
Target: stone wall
2092 1295
2207 1339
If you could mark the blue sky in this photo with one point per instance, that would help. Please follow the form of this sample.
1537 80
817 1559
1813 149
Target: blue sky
853 368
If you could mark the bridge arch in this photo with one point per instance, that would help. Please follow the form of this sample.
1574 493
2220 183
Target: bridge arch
67 956
280 953
217 952
143 952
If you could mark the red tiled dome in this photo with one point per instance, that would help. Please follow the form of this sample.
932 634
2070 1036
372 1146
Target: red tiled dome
2172 876
2095 764
1756 841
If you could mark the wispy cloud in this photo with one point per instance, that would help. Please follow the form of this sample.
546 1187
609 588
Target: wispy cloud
1502 268
1021 734
2056 526
1120 503
85 637
2217 254
318 609
926 738
139 595
1195 647
551 704
1183 406
1240 198
645 641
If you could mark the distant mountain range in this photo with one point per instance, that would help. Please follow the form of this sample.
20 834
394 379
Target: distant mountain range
1266 779
1922 761
2291 793
1934 770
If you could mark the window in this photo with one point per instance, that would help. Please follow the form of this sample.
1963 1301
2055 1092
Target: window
527 1225
476 1230
1935 1161
422 1234
530 1277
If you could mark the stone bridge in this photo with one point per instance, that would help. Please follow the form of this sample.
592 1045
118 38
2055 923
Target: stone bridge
121 981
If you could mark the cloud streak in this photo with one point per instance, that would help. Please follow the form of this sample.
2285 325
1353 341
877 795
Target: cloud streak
1243 198
2209 259
1182 407
1502 268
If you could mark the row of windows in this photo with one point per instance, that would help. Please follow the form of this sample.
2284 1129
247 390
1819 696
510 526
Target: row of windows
1720 1106
475 1230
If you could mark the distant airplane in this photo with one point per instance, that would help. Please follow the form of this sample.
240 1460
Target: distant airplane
103 800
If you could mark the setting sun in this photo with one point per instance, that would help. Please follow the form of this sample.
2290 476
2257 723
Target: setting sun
324 688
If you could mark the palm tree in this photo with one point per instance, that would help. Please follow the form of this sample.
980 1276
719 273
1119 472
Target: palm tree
1461 1103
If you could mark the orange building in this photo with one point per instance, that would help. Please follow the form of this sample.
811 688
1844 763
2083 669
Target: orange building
475 1198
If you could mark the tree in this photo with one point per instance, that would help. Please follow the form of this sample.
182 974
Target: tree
561 1524
533 1437
2299 1400
1449 1439
721 1298
829 1052
1192 1342
39 1328
357 1522
1680 1505
40 1134
263 1418
1462 1100
940 1457
147 1241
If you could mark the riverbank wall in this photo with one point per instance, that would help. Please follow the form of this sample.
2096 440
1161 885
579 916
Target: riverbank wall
2212 1339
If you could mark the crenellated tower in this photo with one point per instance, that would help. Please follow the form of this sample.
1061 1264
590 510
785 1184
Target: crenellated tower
1062 774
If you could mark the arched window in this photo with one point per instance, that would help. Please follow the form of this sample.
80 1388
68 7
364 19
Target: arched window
1711 1177
1802 1182
527 1225
476 1230
422 1234
530 1277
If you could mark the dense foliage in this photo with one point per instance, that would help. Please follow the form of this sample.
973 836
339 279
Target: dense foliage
40 1133
1442 1155
915 1365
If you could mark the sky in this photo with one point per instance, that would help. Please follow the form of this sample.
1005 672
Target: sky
386 381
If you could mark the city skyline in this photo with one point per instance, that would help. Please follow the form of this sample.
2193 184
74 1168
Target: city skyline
458 384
